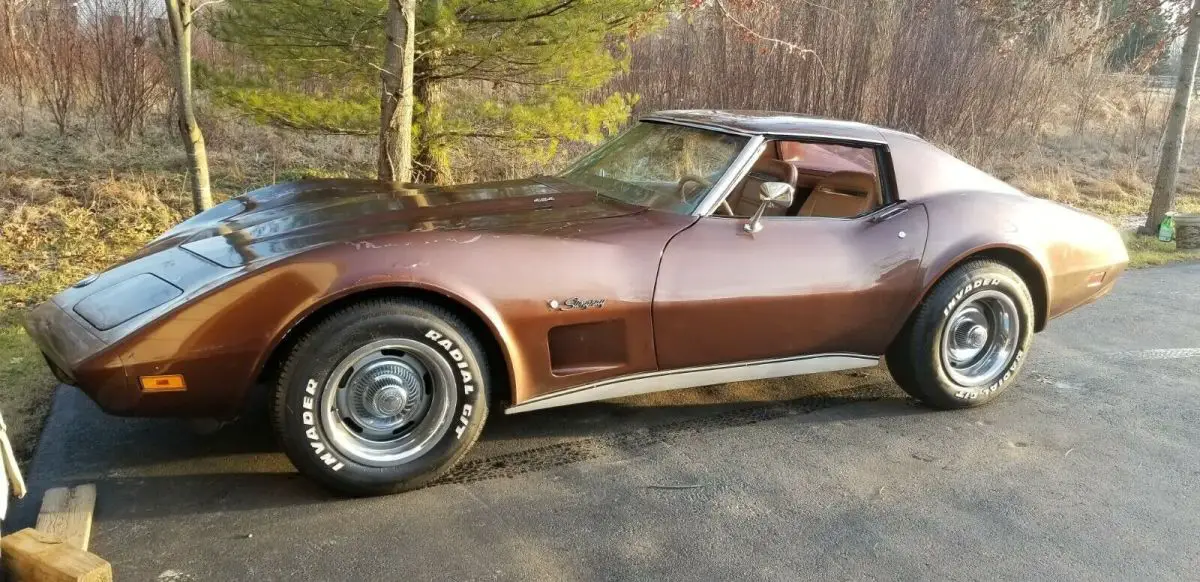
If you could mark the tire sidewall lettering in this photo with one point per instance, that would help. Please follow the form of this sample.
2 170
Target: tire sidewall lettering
966 291
466 377
977 393
1001 382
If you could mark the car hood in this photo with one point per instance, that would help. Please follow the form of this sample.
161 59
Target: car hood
288 218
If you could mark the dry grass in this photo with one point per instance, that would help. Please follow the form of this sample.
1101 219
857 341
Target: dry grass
69 207
1107 168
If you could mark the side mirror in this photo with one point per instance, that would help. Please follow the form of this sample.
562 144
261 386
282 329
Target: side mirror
777 194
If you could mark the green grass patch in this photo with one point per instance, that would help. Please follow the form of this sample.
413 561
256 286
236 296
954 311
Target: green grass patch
25 384
53 233
1148 251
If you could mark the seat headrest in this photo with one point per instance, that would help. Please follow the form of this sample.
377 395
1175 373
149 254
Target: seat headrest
779 170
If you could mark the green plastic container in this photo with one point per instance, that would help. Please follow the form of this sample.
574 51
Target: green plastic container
1166 228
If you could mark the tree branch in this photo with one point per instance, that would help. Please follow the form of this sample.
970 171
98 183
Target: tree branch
202 5
548 11
789 46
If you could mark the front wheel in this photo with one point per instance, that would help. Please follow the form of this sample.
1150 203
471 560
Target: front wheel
381 397
968 339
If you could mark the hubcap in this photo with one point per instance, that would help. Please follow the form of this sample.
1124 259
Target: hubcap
388 402
980 339
385 394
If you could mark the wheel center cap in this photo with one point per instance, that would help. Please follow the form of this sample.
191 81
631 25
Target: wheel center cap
390 400
977 337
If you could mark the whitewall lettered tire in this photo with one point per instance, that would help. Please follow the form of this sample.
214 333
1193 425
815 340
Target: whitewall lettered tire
382 396
968 340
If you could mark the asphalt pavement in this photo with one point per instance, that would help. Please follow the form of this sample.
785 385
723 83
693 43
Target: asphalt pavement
1086 469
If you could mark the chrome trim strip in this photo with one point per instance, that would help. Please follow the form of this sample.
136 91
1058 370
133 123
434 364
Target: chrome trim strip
660 381
698 125
733 176
865 141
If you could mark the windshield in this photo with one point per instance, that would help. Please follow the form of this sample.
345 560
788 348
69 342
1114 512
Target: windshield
662 166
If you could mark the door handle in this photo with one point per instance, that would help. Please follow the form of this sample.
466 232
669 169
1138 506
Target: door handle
889 214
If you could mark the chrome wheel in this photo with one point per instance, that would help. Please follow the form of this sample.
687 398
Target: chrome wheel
388 402
980 339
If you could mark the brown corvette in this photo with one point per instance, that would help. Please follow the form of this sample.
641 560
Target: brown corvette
696 248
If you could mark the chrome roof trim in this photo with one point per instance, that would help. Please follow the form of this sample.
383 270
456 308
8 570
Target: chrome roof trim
698 125
835 130
660 381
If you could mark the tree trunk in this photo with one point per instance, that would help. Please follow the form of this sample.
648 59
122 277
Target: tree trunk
396 94
17 62
431 163
179 13
1168 166
1101 18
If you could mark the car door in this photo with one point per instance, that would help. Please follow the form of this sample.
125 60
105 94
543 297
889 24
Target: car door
799 286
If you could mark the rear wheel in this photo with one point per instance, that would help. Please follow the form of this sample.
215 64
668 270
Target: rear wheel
968 339
381 397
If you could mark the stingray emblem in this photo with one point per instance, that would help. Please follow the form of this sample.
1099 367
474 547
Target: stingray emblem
575 304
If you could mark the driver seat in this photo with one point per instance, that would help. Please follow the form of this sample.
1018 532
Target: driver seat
744 200
843 195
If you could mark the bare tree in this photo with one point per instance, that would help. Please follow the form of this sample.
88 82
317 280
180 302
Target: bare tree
1102 8
866 60
15 61
1168 166
181 15
58 60
127 76
396 93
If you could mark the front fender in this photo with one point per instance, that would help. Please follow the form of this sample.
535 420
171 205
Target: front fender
222 341
459 295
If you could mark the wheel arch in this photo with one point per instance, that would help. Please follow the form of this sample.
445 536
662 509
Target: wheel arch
483 329
1030 271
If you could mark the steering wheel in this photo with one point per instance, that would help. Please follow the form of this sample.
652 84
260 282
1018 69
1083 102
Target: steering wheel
691 179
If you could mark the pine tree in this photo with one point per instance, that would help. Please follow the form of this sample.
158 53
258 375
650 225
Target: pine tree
518 71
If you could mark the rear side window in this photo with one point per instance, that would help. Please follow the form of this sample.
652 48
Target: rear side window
828 158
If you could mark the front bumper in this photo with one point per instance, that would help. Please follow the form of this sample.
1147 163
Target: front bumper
104 334
109 374
77 357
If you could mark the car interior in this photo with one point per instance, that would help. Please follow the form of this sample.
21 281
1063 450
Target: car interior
831 181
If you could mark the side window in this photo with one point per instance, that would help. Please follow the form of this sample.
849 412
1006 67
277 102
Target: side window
835 181
831 181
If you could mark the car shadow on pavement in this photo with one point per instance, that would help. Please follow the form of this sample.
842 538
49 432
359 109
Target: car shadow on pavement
153 467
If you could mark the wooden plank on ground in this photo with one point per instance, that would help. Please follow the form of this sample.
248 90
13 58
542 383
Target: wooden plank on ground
33 555
67 514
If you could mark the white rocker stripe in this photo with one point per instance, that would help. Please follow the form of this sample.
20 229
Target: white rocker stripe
661 381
